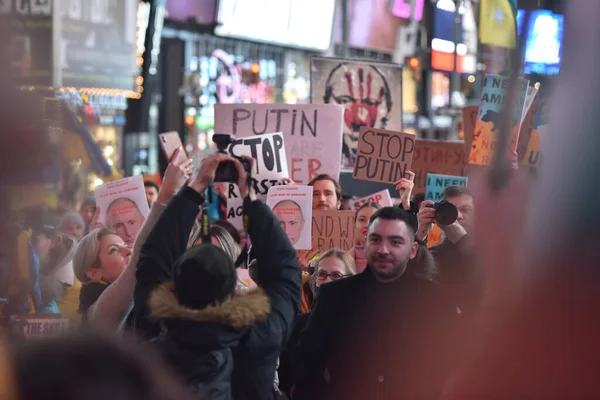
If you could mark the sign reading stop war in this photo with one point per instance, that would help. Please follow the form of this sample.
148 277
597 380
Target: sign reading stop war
383 156
313 133
332 229
437 157
271 163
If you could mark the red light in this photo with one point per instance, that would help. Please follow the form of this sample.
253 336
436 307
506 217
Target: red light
413 62
189 120
255 68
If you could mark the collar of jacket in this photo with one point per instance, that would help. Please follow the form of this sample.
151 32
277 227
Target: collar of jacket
239 311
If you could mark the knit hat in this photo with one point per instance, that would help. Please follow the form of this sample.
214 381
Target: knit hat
204 275
40 220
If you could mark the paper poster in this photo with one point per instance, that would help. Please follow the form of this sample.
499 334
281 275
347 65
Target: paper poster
486 128
292 205
313 133
244 277
230 192
468 124
436 184
332 229
383 198
435 236
123 207
42 326
437 157
370 92
383 156
270 166
526 128
533 153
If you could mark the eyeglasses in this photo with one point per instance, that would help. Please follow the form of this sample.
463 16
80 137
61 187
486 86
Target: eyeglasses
322 275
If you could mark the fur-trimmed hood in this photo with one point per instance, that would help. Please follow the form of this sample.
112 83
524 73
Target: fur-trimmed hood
239 311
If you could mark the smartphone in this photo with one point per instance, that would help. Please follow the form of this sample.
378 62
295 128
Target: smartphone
170 142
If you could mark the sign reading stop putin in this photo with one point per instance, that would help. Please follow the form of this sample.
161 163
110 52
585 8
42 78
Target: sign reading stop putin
383 156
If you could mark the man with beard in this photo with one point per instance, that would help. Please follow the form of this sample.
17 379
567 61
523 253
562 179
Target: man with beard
382 334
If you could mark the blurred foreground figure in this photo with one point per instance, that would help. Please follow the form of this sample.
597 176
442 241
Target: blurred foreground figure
84 368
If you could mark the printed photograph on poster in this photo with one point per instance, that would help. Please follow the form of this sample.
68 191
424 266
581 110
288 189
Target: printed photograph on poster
436 184
270 166
123 207
488 118
370 92
438 157
292 205
312 133
383 198
383 156
332 229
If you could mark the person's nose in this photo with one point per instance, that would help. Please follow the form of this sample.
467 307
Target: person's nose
460 216
125 251
322 198
128 233
383 249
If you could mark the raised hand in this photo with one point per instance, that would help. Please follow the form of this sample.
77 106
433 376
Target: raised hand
405 186
177 174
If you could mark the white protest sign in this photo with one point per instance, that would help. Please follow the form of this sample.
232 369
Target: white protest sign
313 133
235 205
39 326
383 198
292 205
123 207
270 166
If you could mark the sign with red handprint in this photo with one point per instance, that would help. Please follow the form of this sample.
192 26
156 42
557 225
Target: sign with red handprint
370 92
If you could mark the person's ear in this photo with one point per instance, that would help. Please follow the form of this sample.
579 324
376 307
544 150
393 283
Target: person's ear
339 204
414 249
94 274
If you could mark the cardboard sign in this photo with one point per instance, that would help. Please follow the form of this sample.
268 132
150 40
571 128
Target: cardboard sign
383 156
313 133
436 184
235 203
488 123
383 198
43 326
468 124
438 157
123 207
533 153
271 162
332 229
435 236
292 205
369 92
526 129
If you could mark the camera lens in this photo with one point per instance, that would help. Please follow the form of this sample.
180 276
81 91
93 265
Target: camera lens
446 213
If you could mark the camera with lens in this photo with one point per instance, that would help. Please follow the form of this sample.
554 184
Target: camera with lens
226 171
446 213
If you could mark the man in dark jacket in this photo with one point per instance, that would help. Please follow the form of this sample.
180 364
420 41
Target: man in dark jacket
225 346
381 334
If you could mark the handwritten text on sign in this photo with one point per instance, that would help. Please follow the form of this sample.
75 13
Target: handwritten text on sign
437 183
332 229
313 133
383 198
41 327
383 156
271 164
439 157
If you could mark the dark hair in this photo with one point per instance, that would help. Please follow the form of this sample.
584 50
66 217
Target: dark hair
152 185
325 177
396 214
90 201
235 234
368 204
455 191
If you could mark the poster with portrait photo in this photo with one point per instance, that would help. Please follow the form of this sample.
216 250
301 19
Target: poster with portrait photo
123 207
370 92
292 205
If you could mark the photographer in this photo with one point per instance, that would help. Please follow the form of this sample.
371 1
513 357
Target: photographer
453 255
191 294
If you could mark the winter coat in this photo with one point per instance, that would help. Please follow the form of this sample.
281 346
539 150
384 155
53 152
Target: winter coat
253 346
370 340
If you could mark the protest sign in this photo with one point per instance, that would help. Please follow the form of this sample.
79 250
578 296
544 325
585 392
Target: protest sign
436 184
42 326
435 236
313 133
244 277
332 229
270 166
292 205
526 128
383 156
468 124
533 153
123 207
370 92
235 203
383 198
493 99
437 157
